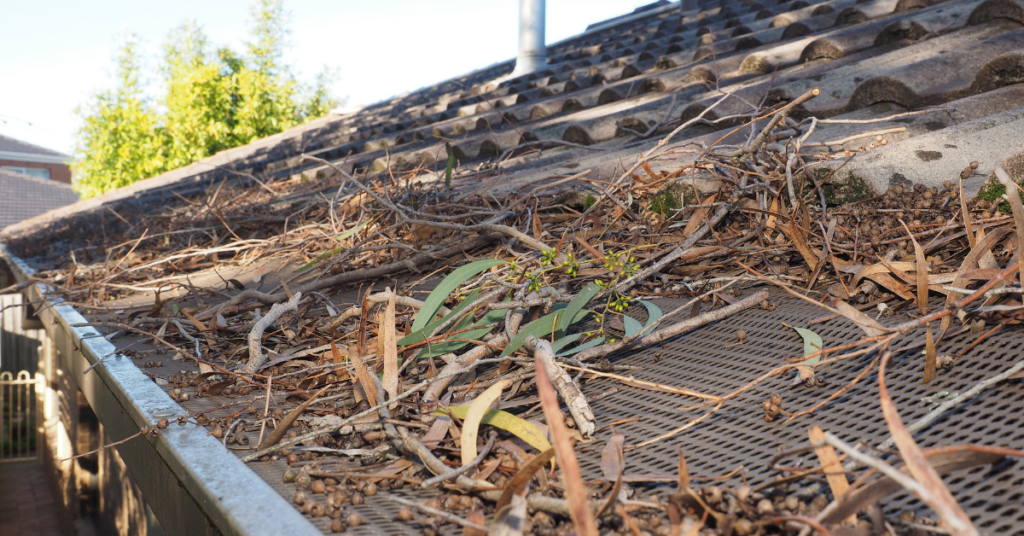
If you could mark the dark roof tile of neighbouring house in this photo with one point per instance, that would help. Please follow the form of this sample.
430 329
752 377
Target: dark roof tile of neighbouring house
24 196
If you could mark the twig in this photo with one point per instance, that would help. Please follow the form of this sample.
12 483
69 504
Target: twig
437 513
433 481
256 357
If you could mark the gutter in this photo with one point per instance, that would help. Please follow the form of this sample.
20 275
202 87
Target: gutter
192 483
36 158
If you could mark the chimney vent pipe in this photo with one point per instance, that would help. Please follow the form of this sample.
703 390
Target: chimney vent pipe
532 52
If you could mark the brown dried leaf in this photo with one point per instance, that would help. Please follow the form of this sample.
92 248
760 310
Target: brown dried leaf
943 459
967 217
390 338
970 263
941 500
476 516
863 321
922 273
538 227
830 464
684 474
511 519
476 412
612 465
931 357
361 374
288 420
517 484
575 492
698 216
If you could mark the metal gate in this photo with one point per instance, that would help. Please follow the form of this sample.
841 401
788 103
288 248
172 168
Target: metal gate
17 416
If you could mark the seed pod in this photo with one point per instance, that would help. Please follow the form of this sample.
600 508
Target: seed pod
330 481
357 499
318 510
741 335
405 514
743 527
318 486
161 424
299 498
289 475
712 494
764 506
792 503
974 165
292 459
338 526
302 479
370 490
354 519
743 493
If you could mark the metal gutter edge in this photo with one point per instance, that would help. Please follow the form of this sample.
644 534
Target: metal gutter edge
222 496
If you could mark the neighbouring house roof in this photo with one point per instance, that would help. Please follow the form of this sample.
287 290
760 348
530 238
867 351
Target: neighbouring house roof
907 92
13 149
24 196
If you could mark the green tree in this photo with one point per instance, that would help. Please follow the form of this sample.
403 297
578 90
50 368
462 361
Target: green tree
119 133
211 100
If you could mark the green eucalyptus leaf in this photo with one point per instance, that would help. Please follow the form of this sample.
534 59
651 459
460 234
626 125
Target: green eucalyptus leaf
421 335
576 305
812 344
633 326
565 341
589 344
448 285
541 327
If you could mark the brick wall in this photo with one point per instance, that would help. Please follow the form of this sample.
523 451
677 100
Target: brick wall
58 172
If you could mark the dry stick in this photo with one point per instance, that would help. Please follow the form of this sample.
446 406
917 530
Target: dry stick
748 149
551 505
680 251
266 409
381 297
438 513
929 418
433 393
145 430
896 475
857 137
486 227
353 276
677 329
574 399
433 481
203 367
334 427
572 481
256 357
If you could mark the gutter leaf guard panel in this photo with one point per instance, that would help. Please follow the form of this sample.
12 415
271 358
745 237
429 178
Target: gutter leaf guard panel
192 483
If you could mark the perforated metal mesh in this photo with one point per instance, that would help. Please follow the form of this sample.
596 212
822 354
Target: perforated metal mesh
738 436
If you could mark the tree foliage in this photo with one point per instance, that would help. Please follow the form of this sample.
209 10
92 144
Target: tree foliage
210 100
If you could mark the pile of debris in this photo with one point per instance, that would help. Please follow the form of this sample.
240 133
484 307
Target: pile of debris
464 404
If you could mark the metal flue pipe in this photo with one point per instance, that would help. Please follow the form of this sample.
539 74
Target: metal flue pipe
532 52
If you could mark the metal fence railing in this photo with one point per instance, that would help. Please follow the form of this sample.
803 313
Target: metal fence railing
17 416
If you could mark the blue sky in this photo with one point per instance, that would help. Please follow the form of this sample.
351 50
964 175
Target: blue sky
53 55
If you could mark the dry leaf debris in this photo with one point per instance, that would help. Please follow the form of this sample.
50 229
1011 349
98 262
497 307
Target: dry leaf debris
270 297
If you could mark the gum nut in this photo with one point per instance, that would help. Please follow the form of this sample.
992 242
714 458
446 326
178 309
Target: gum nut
792 503
338 526
405 514
370 490
300 498
354 519
764 506
318 486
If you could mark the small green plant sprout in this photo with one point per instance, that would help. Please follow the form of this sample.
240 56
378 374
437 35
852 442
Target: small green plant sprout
548 257
589 202
571 266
